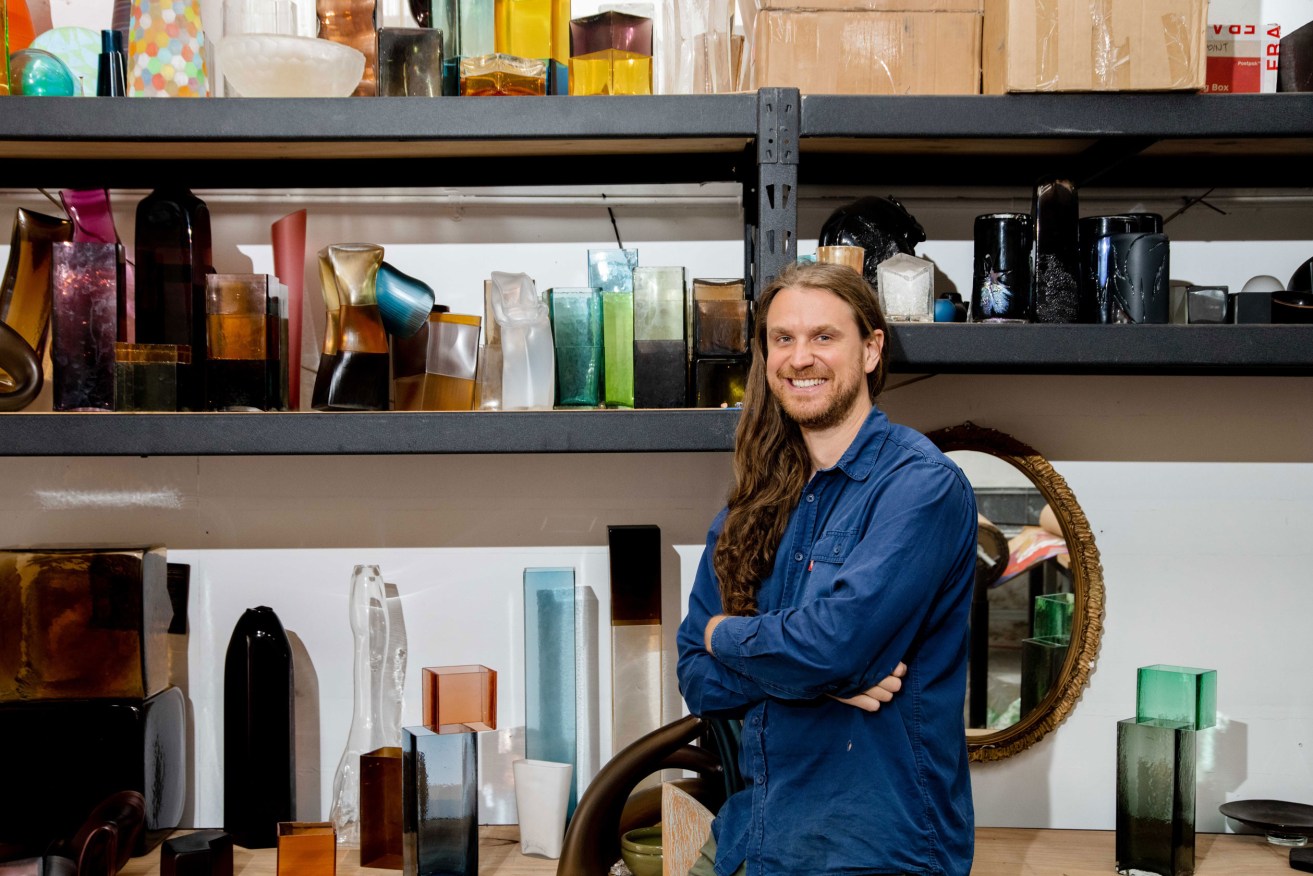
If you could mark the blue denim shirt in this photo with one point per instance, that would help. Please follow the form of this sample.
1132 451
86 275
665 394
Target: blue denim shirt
876 566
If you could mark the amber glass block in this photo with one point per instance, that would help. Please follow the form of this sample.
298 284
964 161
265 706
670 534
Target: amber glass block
611 71
851 256
498 74
352 23
380 809
25 289
437 372
202 853
307 848
460 695
237 342
83 624
146 376
538 29
717 290
721 328
719 383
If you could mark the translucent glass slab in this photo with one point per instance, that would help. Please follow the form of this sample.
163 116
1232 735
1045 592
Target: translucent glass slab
1041 665
618 348
465 695
550 688
612 270
380 809
1177 693
635 632
1053 615
1155 797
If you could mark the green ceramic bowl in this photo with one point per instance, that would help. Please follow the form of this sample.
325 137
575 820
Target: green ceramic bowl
641 851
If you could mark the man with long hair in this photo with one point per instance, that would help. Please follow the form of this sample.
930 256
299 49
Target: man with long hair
839 575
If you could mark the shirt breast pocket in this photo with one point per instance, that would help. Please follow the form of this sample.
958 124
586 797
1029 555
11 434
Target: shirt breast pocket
829 553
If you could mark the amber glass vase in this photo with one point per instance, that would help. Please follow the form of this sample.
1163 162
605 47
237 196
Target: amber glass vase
353 23
25 289
353 370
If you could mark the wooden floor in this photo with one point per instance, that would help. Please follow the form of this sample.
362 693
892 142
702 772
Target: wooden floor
999 852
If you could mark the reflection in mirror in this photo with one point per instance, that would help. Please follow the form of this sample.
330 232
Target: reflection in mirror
1037 608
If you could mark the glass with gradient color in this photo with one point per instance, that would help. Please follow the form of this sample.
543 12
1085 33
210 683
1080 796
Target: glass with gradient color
721 328
83 624
849 256
611 53
25 288
353 23
237 336
612 270
660 346
465 695
618 349
93 221
1155 797
635 553
1177 693
92 748
577 334
1042 659
538 30
307 848
380 808
146 376
440 804
719 383
409 62
436 370
550 684
353 370
501 74
467 32
84 287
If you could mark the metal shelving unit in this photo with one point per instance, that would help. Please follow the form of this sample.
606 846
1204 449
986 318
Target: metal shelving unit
768 142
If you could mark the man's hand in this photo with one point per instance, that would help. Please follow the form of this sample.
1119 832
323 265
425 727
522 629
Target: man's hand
711 628
870 700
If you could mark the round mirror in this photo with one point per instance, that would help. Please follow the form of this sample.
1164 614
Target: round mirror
1037 610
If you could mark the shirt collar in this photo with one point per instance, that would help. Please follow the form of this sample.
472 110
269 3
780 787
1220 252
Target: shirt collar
858 460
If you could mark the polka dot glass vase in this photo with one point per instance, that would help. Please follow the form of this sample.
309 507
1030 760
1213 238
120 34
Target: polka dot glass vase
167 48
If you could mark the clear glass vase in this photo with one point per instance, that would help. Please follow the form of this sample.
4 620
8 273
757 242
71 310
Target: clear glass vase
377 693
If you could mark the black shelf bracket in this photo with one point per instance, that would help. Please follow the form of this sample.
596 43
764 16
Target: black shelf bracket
1104 156
770 200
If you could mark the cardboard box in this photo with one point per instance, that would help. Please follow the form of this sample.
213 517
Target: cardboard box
876 5
868 52
1234 47
1094 45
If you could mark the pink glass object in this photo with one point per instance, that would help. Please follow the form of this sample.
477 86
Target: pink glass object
83 325
289 265
93 222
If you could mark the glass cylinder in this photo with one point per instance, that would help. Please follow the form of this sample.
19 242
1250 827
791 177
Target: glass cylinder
537 30
551 729
1055 210
146 376
237 334
353 23
849 256
84 291
173 254
577 332
618 349
353 370
166 49
1001 281
1155 797
409 62
907 288
660 347
259 731
25 288
528 359
367 609
611 53
1135 271
498 74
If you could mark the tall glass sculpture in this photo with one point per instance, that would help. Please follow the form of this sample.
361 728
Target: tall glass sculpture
84 294
259 730
635 632
173 254
373 693
550 719
1156 769
538 30
353 370
528 359
25 288
577 332
1056 211
660 348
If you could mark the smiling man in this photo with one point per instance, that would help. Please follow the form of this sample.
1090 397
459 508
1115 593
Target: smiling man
830 609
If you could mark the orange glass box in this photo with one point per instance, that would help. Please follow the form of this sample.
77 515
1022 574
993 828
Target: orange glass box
307 848
460 695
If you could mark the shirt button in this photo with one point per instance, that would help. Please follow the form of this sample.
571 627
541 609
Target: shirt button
811 497
798 556
761 780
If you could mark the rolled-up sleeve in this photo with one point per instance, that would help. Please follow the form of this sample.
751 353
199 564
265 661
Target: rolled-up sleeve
847 641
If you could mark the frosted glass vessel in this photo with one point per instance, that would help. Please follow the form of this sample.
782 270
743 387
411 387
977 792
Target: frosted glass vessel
528 358
577 330
907 288
551 729
374 691
702 37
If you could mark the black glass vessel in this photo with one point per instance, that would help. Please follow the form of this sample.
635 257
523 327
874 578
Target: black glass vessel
1003 276
1054 210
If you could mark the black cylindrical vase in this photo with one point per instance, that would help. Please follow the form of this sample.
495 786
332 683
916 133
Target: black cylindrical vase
1093 302
1055 212
1136 281
259 760
1002 280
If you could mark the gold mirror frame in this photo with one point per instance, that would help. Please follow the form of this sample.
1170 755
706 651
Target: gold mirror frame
1087 587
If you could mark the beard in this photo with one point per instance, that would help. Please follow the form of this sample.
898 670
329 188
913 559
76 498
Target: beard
830 413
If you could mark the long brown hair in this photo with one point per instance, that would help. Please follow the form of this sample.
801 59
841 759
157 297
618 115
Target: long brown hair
771 462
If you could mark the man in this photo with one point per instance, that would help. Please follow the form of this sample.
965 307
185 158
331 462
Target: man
847 550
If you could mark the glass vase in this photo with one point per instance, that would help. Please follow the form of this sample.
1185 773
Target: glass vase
373 691
25 288
166 49
528 358
353 23
353 370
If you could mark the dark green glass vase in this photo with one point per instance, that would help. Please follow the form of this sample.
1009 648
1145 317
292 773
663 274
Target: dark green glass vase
1155 797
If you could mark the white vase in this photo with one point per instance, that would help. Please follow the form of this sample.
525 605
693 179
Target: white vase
542 794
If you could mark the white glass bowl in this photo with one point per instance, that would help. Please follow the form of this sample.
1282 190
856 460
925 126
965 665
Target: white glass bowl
269 65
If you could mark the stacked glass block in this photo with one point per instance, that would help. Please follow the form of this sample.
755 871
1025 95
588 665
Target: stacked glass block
611 53
1044 653
612 272
1156 769
86 705
722 331
439 765
246 336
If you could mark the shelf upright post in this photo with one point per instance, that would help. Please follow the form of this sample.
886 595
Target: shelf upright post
771 201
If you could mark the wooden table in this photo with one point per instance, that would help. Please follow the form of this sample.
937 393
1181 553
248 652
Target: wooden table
999 852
